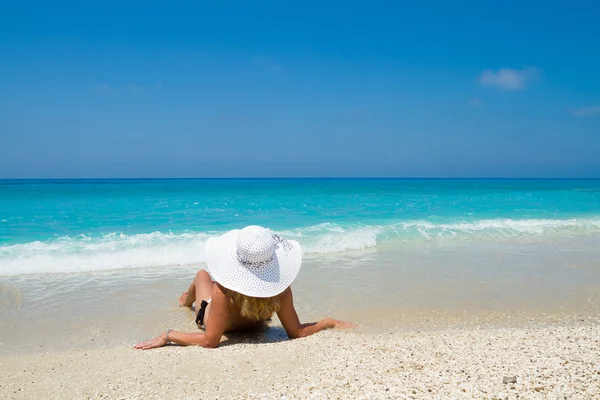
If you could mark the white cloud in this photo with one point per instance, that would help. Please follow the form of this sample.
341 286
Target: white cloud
586 111
475 102
105 89
508 78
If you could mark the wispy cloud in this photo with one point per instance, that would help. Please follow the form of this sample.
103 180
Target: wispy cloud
130 89
475 102
508 78
268 64
105 89
586 111
135 89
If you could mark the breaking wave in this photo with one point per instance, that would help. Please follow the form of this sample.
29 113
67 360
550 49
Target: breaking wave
120 251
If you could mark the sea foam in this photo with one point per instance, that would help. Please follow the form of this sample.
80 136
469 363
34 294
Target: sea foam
121 251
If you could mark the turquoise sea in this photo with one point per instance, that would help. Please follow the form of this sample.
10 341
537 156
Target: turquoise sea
57 226
103 262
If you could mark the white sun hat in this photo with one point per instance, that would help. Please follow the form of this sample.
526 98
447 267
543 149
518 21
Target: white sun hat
253 261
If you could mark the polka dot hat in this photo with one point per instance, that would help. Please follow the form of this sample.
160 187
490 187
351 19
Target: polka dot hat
253 261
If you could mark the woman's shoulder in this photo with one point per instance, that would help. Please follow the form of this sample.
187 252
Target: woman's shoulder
218 289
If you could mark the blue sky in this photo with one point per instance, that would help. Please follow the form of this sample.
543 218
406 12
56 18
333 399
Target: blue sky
199 89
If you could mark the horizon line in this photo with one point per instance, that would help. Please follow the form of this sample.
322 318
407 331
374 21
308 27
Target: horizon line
297 178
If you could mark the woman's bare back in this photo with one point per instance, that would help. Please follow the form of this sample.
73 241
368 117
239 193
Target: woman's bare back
234 320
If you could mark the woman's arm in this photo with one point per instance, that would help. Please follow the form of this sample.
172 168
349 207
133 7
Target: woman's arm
181 338
216 323
291 323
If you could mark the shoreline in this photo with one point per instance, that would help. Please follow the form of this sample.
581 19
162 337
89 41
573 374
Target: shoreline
457 284
537 360
437 322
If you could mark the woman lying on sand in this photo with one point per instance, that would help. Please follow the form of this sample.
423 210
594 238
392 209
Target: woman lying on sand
252 271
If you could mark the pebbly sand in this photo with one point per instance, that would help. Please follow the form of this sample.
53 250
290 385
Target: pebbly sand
534 361
530 330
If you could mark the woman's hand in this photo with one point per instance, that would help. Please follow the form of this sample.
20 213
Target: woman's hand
335 323
158 341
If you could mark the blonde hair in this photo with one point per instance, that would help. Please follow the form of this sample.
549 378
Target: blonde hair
254 308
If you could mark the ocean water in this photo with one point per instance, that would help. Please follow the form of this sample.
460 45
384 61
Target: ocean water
64 226
102 262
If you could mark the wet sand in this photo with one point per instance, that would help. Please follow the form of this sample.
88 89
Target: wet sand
403 287
437 321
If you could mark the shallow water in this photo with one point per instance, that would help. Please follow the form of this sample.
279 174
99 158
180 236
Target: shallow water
389 287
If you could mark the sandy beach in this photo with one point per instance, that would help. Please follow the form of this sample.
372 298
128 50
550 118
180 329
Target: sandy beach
526 331
532 360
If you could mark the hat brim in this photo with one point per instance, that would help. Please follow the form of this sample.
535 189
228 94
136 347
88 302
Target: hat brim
267 281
